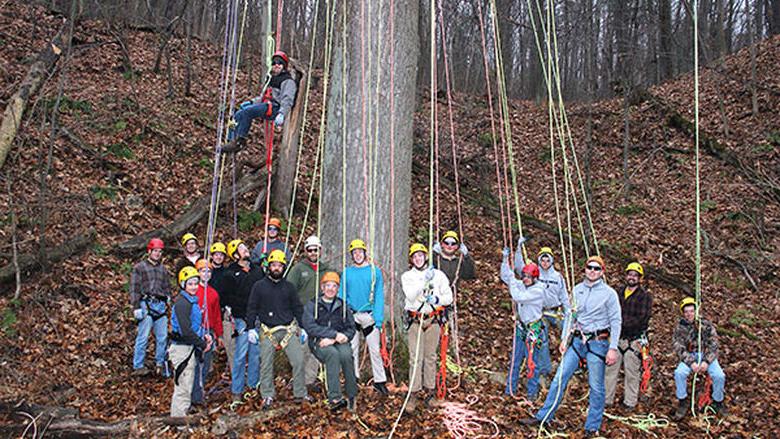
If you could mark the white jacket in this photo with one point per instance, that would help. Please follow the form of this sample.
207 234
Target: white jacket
413 284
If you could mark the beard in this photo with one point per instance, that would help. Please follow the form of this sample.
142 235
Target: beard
632 283
275 275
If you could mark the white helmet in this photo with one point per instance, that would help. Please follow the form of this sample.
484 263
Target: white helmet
312 241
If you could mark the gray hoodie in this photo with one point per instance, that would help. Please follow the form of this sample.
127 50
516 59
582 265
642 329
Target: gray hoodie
555 294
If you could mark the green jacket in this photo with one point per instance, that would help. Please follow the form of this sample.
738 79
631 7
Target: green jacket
304 278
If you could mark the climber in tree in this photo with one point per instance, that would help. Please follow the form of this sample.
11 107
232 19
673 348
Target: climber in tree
274 104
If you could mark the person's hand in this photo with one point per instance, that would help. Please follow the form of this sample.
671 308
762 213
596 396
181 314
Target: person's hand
562 348
220 343
612 357
521 240
436 248
209 342
279 121
463 249
505 252
325 342
304 336
341 338
703 366
429 274
253 336
138 314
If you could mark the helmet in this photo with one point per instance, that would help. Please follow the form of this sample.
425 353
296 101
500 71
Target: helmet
417 247
312 241
687 301
635 266
532 270
187 237
201 264
450 234
357 244
544 251
218 247
277 256
330 276
233 246
282 55
276 222
187 273
598 260
155 243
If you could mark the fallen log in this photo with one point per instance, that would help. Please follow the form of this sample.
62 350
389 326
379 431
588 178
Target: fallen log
39 70
191 217
29 263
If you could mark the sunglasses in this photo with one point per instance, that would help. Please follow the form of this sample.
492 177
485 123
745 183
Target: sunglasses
450 242
312 250
277 62
273 228
593 267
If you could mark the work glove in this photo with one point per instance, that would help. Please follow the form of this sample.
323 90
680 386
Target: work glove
521 240
244 105
429 274
253 336
432 299
436 248
138 314
279 121
463 249
505 252
304 336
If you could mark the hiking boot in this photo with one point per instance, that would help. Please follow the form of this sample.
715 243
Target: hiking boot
591 433
411 406
682 410
304 398
314 388
161 371
235 145
267 403
627 408
351 404
720 408
141 372
336 406
529 421
381 388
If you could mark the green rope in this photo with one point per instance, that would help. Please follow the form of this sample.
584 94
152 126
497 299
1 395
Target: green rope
644 423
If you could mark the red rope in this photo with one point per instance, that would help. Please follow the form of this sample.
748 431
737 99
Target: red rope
647 366
441 377
705 397
269 148
529 347
392 185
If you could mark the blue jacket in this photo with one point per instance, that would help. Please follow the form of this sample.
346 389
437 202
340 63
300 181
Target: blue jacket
358 284
187 321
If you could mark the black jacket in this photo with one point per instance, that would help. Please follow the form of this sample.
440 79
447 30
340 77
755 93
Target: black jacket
330 320
273 304
635 312
238 285
218 280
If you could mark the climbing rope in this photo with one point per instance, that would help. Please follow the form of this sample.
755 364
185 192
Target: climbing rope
643 423
462 421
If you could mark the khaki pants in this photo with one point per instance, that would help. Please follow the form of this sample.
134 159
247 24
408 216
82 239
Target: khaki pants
312 369
427 357
373 341
294 356
182 392
631 360
227 339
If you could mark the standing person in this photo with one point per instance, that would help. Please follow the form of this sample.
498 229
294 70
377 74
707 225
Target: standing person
219 282
556 297
273 311
272 242
530 340
595 329
453 258
188 340
246 359
330 327
190 253
303 276
149 294
427 292
208 301
274 104
699 356
636 306
363 287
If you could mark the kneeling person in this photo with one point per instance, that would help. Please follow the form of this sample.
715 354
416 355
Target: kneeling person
330 328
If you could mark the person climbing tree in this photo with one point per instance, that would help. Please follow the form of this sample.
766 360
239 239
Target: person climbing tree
272 242
427 292
189 342
595 331
190 253
453 258
330 328
149 295
208 301
699 358
363 287
274 309
530 339
556 298
303 276
274 103
242 275
636 306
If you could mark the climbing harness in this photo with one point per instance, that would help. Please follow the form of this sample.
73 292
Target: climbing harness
268 333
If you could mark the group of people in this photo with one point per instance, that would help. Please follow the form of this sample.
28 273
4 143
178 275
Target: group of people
602 330
249 303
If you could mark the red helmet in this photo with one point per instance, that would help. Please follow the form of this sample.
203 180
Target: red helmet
532 270
281 55
155 243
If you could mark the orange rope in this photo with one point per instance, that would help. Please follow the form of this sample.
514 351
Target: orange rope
441 377
705 397
647 366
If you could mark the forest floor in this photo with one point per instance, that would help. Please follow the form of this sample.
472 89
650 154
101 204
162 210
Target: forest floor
68 339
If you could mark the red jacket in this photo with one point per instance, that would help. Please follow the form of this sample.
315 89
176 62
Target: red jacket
212 317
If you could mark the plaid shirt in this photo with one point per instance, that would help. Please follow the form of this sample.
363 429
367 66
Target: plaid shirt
149 279
636 312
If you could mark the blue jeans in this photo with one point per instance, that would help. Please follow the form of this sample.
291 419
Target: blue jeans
541 358
202 369
715 372
245 116
566 369
145 327
246 355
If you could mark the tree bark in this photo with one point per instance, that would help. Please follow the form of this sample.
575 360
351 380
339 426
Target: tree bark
284 176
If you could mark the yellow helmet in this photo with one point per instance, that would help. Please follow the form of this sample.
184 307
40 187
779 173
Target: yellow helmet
687 301
417 247
233 246
544 251
635 266
450 234
277 256
186 274
218 247
357 244
187 237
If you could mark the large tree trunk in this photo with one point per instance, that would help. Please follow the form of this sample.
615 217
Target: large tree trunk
284 174
392 182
